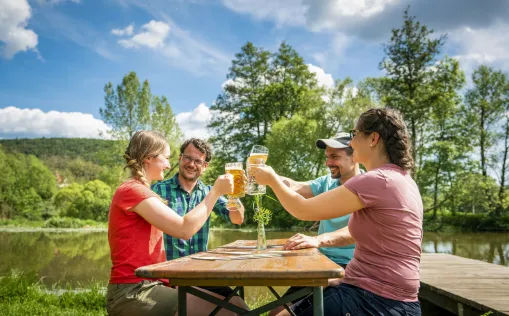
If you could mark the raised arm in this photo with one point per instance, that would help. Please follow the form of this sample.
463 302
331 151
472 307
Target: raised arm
161 216
334 203
303 188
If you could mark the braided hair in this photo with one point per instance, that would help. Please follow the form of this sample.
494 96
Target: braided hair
389 124
143 144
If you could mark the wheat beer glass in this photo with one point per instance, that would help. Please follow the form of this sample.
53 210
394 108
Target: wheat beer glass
239 184
257 158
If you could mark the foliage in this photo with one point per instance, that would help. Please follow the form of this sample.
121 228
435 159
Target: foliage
68 148
26 186
261 214
70 222
90 201
132 107
411 54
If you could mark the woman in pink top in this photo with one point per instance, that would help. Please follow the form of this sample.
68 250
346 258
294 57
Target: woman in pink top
136 222
386 221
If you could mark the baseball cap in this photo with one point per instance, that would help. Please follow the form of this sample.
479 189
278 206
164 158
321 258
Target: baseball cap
340 140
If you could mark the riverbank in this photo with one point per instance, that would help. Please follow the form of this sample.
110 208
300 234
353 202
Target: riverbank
442 223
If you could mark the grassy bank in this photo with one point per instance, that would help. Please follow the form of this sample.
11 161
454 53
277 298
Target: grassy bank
54 222
443 222
22 294
461 222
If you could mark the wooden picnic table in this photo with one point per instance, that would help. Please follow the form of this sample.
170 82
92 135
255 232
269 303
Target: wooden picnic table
308 268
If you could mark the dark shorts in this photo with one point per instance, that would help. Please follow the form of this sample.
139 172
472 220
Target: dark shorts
221 290
349 300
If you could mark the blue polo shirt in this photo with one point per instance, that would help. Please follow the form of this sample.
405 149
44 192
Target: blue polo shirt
340 255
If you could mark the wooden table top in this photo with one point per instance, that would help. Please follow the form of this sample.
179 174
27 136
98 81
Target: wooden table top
297 267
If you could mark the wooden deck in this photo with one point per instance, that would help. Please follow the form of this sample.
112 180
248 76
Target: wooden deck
464 286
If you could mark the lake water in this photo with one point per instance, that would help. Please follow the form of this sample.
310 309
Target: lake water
76 258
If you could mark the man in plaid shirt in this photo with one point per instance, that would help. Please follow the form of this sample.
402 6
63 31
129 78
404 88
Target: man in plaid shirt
184 192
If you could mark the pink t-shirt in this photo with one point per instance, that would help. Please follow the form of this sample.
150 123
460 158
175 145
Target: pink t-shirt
388 232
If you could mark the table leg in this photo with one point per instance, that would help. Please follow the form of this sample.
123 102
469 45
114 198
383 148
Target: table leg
241 292
318 301
182 300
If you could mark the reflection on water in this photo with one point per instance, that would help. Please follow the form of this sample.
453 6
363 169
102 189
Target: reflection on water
78 258
489 247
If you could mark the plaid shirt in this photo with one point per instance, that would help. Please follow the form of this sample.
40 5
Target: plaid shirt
182 202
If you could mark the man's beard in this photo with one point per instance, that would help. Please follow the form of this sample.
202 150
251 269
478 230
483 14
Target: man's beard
336 174
193 178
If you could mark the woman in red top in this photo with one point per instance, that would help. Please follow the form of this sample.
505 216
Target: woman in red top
137 220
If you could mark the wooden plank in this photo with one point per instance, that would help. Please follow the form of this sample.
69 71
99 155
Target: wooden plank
479 285
251 282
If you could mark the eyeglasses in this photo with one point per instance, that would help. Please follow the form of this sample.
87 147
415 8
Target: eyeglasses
188 159
354 132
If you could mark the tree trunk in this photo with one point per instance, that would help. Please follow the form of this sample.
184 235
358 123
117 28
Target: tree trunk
483 144
501 192
414 143
435 192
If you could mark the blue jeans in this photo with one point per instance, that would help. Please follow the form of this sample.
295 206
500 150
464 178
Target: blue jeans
349 300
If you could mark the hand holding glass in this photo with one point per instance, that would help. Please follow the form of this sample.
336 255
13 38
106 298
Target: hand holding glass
257 157
239 184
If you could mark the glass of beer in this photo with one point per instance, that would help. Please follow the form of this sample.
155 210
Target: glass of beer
239 184
257 157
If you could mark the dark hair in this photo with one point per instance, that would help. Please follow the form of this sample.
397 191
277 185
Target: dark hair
201 145
348 151
389 124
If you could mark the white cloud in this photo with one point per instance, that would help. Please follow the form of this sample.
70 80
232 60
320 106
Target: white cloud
194 124
152 35
16 122
482 46
283 12
324 79
55 2
179 47
314 14
14 16
128 30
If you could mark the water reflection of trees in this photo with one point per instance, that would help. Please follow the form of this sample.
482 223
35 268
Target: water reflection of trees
78 258
489 247
75 258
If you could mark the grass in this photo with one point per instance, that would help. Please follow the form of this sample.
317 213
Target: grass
22 294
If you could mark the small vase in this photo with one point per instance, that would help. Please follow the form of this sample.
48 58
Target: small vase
261 243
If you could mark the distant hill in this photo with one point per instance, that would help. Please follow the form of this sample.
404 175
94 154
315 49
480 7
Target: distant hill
84 148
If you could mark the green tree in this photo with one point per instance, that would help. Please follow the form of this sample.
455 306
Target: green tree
239 110
26 187
447 151
127 107
164 121
263 87
485 102
411 54
90 201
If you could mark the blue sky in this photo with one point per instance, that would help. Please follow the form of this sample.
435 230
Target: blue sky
57 55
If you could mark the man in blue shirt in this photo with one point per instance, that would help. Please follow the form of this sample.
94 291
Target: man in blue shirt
334 239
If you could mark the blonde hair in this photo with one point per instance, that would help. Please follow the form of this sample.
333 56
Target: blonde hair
143 144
